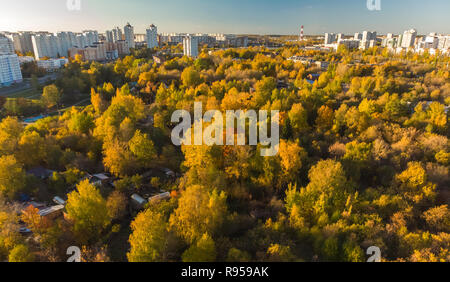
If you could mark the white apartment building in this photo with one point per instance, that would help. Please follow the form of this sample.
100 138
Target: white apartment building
369 39
45 45
390 41
408 39
152 36
429 42
55 46
330 38
64 42
358 36
369 35
6 46
109 36
117 34
348 43
52 64
444 42
22 41
190 46
91 37
26 59
129 35
81 41
10 70
140 37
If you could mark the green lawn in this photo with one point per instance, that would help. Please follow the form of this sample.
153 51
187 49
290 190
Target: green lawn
28 93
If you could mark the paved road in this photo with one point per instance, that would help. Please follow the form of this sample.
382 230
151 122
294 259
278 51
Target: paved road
8 91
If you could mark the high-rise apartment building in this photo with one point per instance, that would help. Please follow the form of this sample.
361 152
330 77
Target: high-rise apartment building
64 43
117 34
358 36
152 36
369 39
190 46
129 35
444 42
58 45
330 38
91 37
101 51
22 41
6 45
9 70
109 36
81 41
390 41
45 45
369 35
408 39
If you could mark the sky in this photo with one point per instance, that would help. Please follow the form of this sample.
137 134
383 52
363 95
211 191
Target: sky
228 16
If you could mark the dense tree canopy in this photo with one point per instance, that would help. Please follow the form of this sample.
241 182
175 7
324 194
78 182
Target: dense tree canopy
363 159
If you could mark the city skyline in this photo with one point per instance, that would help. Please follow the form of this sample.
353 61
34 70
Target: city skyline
238 17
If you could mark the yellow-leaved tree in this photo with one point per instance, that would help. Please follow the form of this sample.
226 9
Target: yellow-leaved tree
88 211
149 238
199 211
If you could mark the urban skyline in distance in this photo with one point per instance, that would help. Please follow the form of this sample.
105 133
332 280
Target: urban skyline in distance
233 17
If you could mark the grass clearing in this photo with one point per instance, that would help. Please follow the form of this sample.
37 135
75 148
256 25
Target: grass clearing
28 93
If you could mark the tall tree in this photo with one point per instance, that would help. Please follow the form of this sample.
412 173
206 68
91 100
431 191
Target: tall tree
199 211
51 96
149 238
204 250
88 211
12 177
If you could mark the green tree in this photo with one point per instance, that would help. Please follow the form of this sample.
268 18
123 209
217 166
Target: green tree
9 230
118 159
143 148
264 89
413 184
298 117
204 250
88 211
12 177
280 253
116 204
81 123
149 238
10 131
236 255
32 149
190 77
35 83
51 96
199 211
20 253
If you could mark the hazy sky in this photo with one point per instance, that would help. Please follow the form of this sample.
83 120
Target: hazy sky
228 16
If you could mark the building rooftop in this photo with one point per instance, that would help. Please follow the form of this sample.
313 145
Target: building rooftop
40 172
50 210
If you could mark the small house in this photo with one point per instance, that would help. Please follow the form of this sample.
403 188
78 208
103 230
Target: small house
137 201
160 197
59 201
52 212
40 172
168 172
99 179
